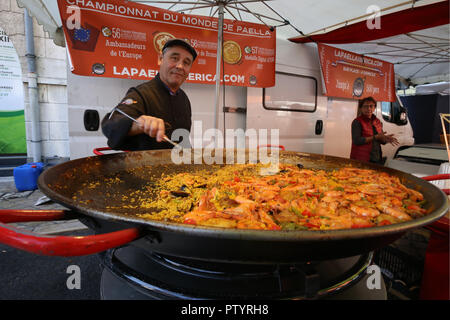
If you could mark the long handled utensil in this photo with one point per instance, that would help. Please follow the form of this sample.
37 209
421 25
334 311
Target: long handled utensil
131 118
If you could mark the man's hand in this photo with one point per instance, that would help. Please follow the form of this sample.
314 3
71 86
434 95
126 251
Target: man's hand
154 127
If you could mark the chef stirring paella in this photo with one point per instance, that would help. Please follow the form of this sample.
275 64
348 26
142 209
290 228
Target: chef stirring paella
237 196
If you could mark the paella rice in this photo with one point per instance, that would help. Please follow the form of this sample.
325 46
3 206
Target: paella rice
237 196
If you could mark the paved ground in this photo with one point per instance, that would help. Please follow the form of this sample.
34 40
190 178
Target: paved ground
10 198
27 276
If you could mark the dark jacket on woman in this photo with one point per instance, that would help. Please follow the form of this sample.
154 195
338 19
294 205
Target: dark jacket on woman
363 127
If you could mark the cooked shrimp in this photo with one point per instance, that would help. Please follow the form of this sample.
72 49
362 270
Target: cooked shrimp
332 194
327 208
415 196
364 211
341 222
268 220
387 201
197 216
358 222
372 189
353 196
243 211
205 202
382 202
266 196
397 213
241 200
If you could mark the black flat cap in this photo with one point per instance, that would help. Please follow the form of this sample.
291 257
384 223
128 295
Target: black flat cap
181 43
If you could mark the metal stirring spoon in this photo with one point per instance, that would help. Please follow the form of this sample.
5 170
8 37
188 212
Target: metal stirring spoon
129 117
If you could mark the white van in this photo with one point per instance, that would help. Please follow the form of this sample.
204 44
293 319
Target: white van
307 120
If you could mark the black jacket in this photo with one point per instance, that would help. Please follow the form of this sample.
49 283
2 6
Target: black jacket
154 99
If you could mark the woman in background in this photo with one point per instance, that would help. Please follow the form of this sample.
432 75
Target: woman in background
368 134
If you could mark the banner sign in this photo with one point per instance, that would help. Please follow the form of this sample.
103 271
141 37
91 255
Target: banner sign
122 39
353 76
12 116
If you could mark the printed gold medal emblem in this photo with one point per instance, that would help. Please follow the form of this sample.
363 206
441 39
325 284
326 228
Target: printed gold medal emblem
160 39
232 53
106 32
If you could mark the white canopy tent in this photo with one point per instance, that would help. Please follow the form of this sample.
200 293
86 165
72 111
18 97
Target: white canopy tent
419 57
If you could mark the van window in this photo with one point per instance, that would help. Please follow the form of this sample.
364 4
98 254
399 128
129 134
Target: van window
394 112
292 92
386 111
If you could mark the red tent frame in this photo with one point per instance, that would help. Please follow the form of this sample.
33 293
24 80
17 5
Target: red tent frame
405 21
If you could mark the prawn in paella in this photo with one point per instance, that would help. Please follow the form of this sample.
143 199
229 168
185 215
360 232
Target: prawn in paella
237 196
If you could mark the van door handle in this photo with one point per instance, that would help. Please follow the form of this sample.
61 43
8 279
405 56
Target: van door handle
319 127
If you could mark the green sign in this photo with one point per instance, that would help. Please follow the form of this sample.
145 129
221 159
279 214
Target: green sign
12 117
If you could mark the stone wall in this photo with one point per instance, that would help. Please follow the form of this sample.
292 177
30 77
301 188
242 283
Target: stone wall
51 64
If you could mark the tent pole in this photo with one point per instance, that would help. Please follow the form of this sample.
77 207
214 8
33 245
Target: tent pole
218 62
